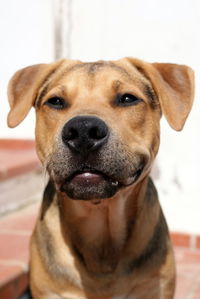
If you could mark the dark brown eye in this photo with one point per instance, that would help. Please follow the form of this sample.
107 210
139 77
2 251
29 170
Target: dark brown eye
128 100
56 103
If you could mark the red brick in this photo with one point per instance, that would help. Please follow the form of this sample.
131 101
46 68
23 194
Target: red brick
187 256
198 243
180 239
183 286
14 247
14 288
197 292
192 258
17 157
23 220
188 272
17 144
8 273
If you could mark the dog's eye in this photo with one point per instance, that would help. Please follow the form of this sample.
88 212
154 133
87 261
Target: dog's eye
56 103
128 100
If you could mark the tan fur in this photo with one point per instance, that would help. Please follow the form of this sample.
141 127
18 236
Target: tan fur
117 247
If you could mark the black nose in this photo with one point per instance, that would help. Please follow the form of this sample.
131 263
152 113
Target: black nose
85 133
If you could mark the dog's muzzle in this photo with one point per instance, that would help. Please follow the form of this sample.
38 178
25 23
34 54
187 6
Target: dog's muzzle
90 162
84 135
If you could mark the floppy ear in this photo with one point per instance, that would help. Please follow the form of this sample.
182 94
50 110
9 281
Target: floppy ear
23 89
174 86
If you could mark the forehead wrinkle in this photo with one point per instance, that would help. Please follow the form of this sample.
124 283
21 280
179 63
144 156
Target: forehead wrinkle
116 85
62 89
43 91
148 91
91 68
44 88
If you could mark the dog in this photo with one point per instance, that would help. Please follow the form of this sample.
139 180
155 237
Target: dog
101 233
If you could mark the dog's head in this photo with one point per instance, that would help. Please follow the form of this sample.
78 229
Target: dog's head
97 127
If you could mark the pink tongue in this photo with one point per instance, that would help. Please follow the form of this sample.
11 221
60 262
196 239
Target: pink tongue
87 177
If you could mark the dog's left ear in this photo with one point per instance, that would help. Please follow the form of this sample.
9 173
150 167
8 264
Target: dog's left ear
23 89
174 86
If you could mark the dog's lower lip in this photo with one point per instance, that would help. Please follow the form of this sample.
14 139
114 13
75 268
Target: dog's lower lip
87 177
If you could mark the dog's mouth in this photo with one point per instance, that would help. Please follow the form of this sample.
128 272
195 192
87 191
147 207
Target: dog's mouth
88 184
93 176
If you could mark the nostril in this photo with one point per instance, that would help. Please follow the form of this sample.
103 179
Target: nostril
70 134
97 133
73 134
93 133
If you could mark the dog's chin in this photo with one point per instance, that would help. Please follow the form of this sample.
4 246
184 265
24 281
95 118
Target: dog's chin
94 185
89 186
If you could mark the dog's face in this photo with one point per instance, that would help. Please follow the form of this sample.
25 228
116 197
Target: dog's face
101 128
97 128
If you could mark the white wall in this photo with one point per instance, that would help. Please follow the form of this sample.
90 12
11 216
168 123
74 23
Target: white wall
26 31
156 30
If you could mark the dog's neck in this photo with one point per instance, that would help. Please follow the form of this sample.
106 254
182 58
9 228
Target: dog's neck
99 232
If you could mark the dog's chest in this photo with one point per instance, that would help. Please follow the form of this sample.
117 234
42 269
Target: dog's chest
99 238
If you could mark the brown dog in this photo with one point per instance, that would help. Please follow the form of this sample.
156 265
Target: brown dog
101 232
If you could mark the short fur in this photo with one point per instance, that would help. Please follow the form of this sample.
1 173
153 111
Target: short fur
117 247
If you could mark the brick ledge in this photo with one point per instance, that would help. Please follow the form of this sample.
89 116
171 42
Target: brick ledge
17 156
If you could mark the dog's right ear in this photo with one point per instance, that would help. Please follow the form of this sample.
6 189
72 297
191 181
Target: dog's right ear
174 86
23 89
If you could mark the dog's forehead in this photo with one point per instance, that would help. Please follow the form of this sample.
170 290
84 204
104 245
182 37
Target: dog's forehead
93 68
112 74
96 69
108 76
